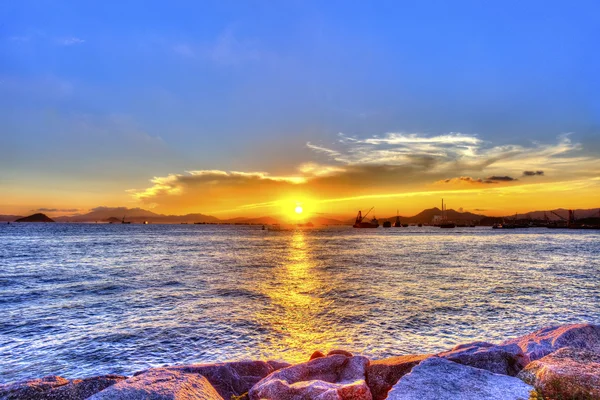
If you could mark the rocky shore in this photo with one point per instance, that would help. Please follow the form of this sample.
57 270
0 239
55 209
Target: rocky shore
560 362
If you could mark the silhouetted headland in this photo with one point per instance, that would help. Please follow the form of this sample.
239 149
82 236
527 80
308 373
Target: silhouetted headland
39 217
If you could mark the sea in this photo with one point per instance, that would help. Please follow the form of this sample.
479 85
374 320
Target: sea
80 300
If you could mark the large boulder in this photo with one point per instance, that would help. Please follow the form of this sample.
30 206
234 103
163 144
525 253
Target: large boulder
565 374
383 374
437 378
161 384
58 388
547 340
232 378
506 360
334 377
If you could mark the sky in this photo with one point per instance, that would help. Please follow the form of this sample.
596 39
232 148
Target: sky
253 108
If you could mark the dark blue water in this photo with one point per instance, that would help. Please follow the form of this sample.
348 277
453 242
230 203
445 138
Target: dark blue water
79 300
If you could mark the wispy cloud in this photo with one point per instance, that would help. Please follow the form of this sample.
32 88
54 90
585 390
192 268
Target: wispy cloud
533 173
70 41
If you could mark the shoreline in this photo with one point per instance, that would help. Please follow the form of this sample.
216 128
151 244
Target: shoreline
562 360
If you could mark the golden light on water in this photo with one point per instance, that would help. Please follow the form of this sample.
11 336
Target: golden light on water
295 292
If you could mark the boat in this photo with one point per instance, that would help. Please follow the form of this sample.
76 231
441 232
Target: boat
397 224
125 222
387 224
445 223
360 223
419 224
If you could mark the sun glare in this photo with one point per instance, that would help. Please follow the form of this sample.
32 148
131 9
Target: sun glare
298 210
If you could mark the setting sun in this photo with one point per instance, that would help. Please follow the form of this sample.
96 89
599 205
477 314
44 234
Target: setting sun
298 210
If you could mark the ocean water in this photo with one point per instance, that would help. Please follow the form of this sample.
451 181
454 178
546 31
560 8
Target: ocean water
83 299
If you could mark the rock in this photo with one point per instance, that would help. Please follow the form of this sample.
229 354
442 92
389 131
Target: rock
278 364
316 354
383 374
333 377
438 378
58 388
32 389
338 351
546 340
160 384
567 373
506 360
232 378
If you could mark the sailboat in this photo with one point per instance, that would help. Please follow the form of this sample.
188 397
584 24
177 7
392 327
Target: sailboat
445 223
125 222
397 224
359 223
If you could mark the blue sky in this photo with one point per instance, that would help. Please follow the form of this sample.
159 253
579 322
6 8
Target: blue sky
104 95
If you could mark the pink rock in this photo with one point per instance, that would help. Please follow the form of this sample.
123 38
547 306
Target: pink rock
546 340
232 378
339 351
33 389
385 373
567 373
506 359
334 377
58 388
161 384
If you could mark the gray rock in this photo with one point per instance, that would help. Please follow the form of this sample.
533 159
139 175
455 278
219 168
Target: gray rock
437 378
547 340
161 384
58 388
506 360
383 374
334 377
565 374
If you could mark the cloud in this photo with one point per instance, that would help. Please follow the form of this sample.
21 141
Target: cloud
467 179
184 50
501 178
533 173
227 48
390 165
70 41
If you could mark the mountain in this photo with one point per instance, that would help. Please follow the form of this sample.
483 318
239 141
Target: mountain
579 213
426 217
35 218
135 215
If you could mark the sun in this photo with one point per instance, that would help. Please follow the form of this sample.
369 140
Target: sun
298 210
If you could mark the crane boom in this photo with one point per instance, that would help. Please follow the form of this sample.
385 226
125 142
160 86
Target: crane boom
559 216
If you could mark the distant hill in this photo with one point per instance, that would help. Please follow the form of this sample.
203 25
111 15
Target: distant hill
426 217
579 213
35 218
135 215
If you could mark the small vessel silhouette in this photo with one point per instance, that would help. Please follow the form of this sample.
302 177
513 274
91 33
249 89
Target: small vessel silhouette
397 224
125 222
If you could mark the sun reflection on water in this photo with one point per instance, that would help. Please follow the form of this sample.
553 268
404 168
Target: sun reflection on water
298 310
